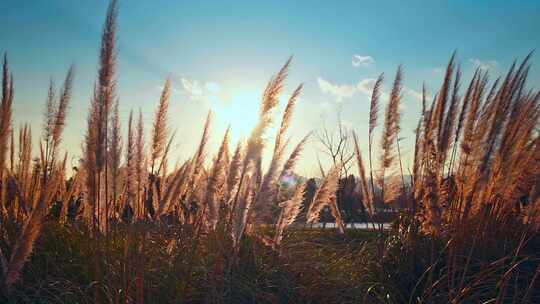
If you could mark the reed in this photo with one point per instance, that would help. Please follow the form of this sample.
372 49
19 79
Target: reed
467 229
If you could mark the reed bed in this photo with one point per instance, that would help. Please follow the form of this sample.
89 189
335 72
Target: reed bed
127 226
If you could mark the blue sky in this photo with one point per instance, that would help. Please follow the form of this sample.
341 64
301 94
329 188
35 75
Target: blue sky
220 54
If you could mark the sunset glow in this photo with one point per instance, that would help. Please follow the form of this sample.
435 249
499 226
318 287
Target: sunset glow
273 152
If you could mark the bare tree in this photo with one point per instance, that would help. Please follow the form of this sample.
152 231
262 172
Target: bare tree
336 144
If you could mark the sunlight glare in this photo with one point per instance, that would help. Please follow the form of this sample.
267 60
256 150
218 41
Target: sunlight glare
240 110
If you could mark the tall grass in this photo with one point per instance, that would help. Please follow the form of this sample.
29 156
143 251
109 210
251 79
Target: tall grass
221 229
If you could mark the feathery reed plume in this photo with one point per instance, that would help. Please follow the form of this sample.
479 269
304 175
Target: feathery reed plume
326 196
273 89
287 116
472 114
25 244
160 130
90 161
504 98
268 187
106 84
49 114
140 166
241 211
12 151
200 156
115 151
373 115
450 120
172 189
289 165
5 112
374 105
443 99
191 189
97 138
131 180
287 169
162 169
390 131
417 161
25 157
255 143
269 101
461 120
234 169
215 180
50 178
367 196
63 104
289 211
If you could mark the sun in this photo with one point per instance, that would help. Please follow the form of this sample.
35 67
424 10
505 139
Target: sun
240 110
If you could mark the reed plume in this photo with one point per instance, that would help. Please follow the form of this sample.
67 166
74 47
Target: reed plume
5 112
51 176
442 101
199 158
215 181
115 151
287 116
450 119
390 131
131 171
289 165
268 187
97 132
269 101
373 116
140 166
367 196
255 142
160 128
462 114
234 170
49 113
289 211
326 196
63 105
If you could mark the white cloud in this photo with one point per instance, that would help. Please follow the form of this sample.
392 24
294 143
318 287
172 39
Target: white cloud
342 91
484 65
366 85
160 89
338 91
413 93
360 60
197 90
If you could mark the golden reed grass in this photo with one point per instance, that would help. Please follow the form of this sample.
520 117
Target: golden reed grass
476 163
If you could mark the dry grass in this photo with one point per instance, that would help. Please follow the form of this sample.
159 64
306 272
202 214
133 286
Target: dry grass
475 184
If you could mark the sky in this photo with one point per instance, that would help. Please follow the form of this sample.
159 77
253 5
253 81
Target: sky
220 55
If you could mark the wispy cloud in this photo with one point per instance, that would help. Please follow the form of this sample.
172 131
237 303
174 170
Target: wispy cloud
160 88
484 65
365 87
360 60
339 91
197 90
414 94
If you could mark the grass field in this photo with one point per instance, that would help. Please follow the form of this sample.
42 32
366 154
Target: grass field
127 226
